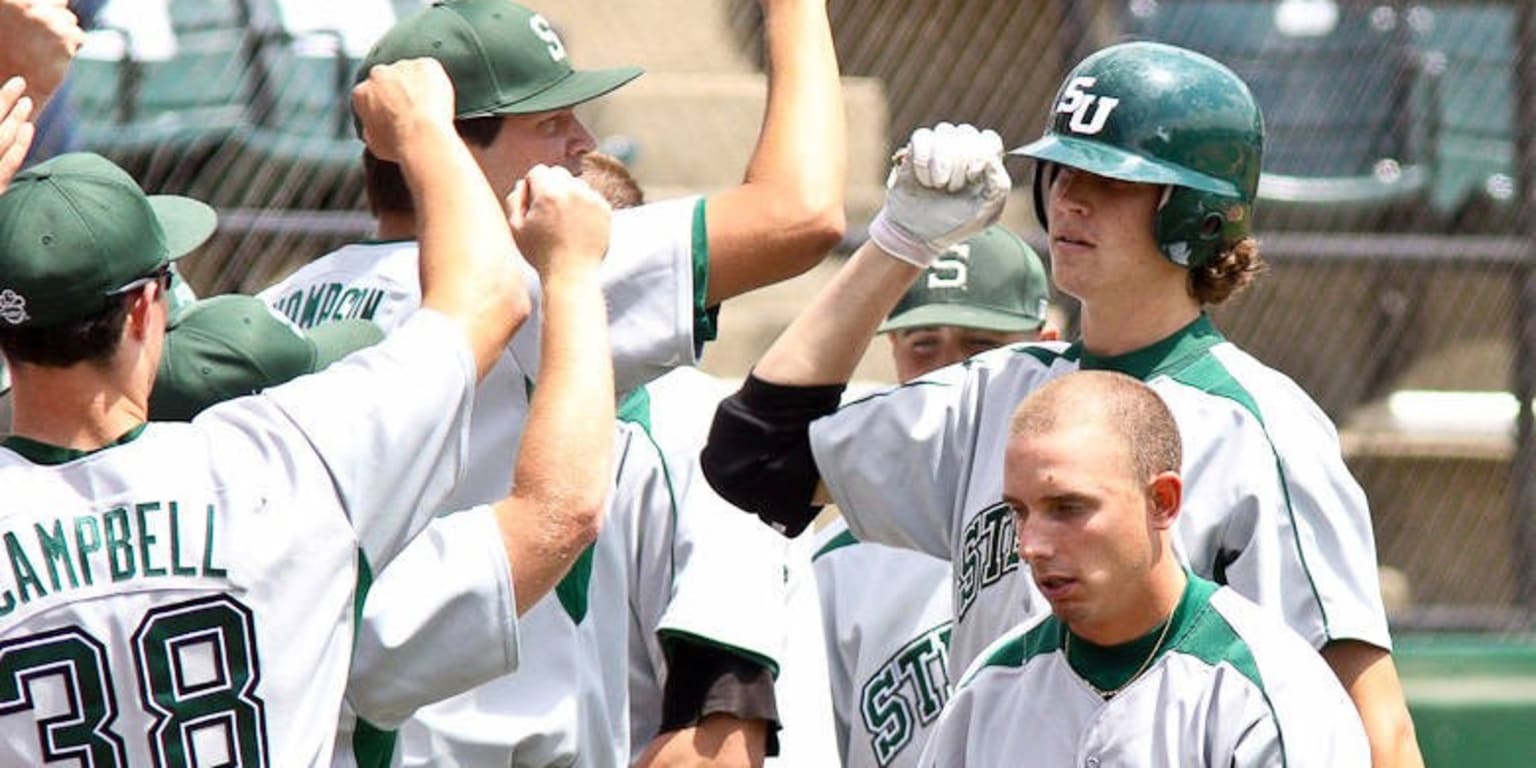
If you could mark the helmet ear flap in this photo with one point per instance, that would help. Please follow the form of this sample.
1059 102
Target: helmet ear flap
1192 227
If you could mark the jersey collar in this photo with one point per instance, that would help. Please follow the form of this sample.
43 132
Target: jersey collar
52 455
1170 354
1110 667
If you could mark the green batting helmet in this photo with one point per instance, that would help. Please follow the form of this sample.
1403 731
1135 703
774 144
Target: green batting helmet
1159 114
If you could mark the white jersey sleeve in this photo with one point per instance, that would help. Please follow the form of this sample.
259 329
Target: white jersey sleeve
727 586
704 570
886 614
1287 525
441 619
925 432
391 466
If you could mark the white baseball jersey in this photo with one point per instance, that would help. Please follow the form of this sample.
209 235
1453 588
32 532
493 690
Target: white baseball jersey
448 623
886 615
1229 686
1270 509
653 277
720 578
186 596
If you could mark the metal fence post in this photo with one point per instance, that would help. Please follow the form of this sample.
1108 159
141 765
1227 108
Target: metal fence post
1523 470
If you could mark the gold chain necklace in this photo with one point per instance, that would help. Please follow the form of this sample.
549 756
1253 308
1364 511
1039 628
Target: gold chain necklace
1106 695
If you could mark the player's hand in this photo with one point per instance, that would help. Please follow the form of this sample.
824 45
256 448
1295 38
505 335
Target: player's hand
948 184
37 40
401 102
558 220
16 128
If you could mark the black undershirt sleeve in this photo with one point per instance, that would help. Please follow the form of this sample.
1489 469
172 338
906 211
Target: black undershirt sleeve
759 452
705 679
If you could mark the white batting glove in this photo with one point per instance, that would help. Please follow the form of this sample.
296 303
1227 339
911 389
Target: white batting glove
948 184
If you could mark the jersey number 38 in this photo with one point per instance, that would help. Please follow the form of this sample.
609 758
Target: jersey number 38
214 707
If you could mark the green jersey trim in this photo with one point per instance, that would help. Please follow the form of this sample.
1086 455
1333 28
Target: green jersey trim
636 409
48 455
572 590
756 658
1213 640
1171 354
706 319
1109 668
372 746
1207 374
844 539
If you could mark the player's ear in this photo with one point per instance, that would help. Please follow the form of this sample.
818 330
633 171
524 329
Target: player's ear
1165 492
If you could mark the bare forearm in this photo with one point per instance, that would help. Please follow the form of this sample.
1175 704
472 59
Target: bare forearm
788 213
1370 677
564 465
719 741
826 341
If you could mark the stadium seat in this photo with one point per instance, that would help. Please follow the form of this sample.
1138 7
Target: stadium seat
302 152
1340 92
1470 49
161 117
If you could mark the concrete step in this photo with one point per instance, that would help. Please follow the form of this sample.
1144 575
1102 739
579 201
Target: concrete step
660 35
696 131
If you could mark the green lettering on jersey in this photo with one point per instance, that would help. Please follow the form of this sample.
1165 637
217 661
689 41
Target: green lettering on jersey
26 575
370 304
314 304
84 547
55 548
141 511
289 305
208 567
346 304
8 604
119 544
177 569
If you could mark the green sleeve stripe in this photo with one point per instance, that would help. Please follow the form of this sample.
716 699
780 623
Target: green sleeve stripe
1213 640
752 656
706 320
1207 374
572 590
373 747
360 591
839 541
1045 637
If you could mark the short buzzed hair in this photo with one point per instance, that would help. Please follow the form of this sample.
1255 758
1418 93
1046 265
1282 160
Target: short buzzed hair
1127 407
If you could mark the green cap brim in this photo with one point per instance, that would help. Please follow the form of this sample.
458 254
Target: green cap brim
962 316
337 339
187 223
578 87
1116 163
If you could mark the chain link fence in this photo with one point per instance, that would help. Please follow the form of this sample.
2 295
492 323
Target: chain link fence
1392 210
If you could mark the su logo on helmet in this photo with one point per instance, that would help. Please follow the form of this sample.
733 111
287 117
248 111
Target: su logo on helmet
1090 112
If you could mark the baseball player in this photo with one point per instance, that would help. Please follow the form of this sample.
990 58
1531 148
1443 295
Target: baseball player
1273 512
888 659
1140 662
182 594
671 262
463 631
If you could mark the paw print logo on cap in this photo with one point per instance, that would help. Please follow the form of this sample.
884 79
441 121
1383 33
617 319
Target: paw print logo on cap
13 307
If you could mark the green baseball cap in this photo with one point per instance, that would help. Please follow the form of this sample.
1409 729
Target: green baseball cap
76 230
230 346
993 281
503 58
